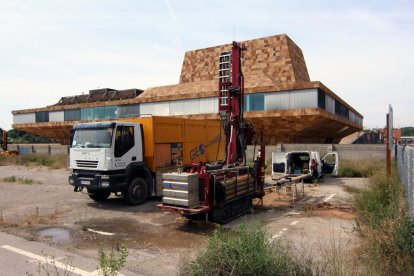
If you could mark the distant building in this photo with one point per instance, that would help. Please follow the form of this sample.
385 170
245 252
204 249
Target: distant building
374 136
407 140
280 98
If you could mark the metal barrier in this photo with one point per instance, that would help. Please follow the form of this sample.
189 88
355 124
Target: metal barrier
405 162
49 149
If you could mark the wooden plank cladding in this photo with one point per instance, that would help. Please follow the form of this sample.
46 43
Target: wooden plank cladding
271 60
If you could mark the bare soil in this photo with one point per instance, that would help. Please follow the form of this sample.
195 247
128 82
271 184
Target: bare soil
158 242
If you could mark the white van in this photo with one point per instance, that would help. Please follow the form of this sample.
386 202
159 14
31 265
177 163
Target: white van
295 163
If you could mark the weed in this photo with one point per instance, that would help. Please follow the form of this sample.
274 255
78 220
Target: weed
12 178
351 189
109 264
48 266
27 220
84 221
335 258
19 180
245 252
27 181
31 237
83 225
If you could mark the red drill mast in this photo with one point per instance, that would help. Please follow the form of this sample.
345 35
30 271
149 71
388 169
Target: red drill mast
231 105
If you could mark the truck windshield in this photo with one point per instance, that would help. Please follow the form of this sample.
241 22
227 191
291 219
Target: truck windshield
92 138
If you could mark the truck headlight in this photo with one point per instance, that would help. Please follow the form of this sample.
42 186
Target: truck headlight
71 181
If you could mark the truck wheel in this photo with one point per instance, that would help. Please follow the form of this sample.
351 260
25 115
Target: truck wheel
137 191
99 195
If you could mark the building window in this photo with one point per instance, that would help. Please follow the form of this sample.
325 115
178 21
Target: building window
321 99
128 111
341 110
100 112
254 102
42 116
72 115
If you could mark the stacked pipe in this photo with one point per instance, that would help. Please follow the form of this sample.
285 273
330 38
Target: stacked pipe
237 186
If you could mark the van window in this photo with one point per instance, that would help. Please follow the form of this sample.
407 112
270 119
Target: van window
279 167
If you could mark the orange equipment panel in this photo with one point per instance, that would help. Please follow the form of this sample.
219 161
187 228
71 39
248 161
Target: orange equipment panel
183 141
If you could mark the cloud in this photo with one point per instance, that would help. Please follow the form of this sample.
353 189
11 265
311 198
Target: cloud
361 50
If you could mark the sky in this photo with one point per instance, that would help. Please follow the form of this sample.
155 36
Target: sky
361 50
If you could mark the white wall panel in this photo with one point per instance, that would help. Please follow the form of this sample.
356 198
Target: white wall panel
191 106
307 98
161 108
146 109
26 118
277 101
176 108
208 105
303 98
56 116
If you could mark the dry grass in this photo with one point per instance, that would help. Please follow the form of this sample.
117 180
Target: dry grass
360 168
337 258
20 180
327 210
27 220
57 161
385 230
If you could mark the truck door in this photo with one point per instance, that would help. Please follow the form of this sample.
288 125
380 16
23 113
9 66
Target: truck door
330 163
278 162
127 148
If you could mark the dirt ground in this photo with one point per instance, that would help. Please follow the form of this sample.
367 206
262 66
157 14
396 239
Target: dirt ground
49 211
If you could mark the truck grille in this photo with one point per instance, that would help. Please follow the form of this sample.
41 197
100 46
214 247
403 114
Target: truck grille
86 164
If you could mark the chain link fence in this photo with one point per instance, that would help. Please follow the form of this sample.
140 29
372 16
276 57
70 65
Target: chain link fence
405 161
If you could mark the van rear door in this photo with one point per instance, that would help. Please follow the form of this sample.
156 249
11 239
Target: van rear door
330 164
278 163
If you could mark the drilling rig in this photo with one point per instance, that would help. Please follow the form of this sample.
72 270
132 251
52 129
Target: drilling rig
222 191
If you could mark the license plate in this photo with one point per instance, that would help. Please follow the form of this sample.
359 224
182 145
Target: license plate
85 182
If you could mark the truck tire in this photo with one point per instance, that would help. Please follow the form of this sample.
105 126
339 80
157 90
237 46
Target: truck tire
137 191
99 196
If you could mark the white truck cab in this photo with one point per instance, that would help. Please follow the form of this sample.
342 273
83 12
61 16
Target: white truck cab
107 157
304 162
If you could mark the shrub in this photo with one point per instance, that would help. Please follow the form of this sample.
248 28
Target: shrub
360 168
386 232
245 252
380 200
404 237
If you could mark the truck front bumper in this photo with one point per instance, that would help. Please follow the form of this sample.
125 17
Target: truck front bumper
113 183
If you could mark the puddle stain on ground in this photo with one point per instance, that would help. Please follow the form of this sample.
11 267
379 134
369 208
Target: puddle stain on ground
142 235
57 235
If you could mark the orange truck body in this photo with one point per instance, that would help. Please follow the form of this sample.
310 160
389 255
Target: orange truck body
172 143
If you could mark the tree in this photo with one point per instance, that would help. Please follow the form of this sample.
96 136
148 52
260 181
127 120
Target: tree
21 137
407 131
